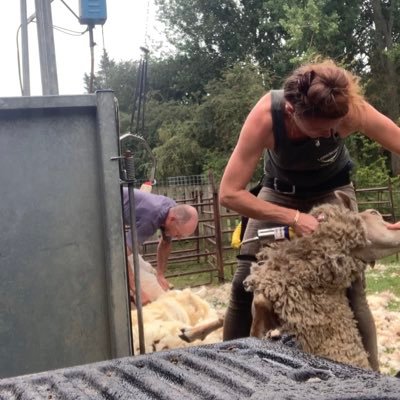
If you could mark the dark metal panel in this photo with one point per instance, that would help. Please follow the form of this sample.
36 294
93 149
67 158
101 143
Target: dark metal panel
59 242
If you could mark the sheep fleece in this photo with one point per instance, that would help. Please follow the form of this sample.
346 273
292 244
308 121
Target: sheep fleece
306 280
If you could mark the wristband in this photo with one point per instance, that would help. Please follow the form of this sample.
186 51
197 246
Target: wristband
296 218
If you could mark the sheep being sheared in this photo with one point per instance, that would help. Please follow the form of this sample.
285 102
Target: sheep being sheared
168 316
151 289
300 285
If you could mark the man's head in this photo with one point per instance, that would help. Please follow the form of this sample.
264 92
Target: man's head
181 221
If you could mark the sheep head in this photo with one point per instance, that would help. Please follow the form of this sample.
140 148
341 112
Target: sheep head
374 240
381 242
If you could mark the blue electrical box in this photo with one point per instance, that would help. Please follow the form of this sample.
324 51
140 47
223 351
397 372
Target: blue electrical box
92 12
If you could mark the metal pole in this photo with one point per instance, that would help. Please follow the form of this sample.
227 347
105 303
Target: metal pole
48 67
26 86
135 252
130 178
92 44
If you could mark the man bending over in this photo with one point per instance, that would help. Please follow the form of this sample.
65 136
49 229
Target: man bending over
155 212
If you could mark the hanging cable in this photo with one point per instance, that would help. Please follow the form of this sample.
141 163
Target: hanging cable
58 28
19 62
70 9
92 43
139 99
137 123
69 31
146 22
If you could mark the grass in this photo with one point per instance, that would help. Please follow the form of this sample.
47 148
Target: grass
197 277
386 279
192 274
378 280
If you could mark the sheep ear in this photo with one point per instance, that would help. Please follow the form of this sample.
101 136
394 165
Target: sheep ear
343 198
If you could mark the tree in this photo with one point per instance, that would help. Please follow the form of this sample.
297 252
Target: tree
207 132
221 115
273 35
120 77
179 155
229 52
169 130
214 35
321 27
384 56
182 77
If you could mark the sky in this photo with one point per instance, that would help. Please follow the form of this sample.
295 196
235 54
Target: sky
123 32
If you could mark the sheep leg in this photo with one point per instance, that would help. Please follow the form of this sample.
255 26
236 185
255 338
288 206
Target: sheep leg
201 331
264 318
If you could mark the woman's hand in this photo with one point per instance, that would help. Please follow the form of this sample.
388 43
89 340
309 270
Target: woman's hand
394 226
306 224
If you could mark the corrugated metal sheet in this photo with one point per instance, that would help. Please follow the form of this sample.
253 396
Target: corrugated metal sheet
241 369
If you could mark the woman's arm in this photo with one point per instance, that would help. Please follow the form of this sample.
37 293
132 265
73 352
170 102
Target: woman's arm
377 127
255 136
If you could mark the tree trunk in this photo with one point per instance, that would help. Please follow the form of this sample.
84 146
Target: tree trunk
384 25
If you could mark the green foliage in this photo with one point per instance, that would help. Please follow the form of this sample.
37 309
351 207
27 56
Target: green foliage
221 115
221 34
120 77
372 174
322 27
308 25
228 101
182 77
272 34
228 53
371 162
208 130
162 116
381 21
215 161
178 155
205 25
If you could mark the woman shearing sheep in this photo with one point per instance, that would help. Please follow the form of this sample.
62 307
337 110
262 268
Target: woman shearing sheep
302 128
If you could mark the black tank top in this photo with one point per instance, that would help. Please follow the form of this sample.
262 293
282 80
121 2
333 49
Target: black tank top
302 162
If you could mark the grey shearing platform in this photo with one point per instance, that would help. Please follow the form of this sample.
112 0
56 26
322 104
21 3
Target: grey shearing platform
240 369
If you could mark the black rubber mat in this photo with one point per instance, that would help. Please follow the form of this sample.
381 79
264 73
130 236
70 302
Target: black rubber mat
240 369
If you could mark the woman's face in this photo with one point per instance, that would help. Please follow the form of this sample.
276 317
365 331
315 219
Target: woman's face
317 127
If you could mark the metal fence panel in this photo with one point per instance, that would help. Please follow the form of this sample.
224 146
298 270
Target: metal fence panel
63 296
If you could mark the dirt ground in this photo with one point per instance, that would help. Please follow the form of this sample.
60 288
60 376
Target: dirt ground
387 322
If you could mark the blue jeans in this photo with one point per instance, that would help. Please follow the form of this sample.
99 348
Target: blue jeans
238 316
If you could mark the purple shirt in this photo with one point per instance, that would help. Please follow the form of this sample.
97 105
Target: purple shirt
151 213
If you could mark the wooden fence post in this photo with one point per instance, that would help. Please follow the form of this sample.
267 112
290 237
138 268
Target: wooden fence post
218 231
391 201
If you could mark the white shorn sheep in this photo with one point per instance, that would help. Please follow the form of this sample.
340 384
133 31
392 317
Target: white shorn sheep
169 314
